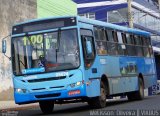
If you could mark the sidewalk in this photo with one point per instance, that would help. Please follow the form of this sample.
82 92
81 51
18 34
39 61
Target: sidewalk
4 105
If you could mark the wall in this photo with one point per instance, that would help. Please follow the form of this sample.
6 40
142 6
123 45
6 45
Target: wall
11 12
15 11
48 8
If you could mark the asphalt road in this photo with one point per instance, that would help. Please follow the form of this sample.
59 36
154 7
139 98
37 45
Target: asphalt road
82 109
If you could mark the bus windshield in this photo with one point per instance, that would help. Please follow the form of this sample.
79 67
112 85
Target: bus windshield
45 52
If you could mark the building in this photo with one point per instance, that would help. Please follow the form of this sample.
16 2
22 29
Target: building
48 8
145 15
15 11
11 12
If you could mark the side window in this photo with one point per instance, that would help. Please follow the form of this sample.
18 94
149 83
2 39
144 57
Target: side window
138 45
130 45
146 47
112 42
101 47
99 33
115 36
150 47
96 33
124 38
144 40
88 47
110 35
101 42
151 52
137 40
128 39
125 42
102 34
121 46
148 41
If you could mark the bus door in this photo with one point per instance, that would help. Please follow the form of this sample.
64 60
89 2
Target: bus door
90 71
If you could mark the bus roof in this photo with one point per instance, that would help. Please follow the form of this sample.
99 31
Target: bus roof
113 26
93 22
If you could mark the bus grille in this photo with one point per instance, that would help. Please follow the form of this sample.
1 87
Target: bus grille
46 79
39 89
48 95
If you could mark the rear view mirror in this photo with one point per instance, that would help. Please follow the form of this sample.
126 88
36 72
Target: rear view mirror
4 46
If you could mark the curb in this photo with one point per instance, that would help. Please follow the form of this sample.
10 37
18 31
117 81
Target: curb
18 108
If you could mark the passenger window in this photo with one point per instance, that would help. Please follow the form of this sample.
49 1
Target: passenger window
110 35
137 40
115 36
144 40
138 45
130 45
146 52
102 34
148 41
151 51
125 42
99 33
128 39
121 46
101 47
101 42
111 45
96 33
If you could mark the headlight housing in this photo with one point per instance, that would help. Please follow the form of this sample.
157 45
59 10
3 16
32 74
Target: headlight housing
79 83
18 90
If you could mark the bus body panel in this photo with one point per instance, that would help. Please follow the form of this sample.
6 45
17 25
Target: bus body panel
115 69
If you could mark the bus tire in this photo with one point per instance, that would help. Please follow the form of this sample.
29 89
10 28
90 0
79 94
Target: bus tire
137 95
100 101
46 106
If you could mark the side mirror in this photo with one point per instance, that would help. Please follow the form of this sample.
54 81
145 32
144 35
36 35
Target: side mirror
89 47
4 46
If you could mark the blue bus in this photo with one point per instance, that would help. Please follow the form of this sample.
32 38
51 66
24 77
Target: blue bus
72 59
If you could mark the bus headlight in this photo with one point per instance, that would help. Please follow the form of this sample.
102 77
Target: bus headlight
78 83
18 90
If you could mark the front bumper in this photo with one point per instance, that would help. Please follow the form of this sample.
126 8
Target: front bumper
23 98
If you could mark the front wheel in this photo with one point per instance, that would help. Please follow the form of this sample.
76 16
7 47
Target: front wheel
100 101
46 106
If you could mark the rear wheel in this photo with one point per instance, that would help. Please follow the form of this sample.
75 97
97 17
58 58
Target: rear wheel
137 95
100 101
46 106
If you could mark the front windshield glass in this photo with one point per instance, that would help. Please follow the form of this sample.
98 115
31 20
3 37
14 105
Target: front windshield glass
45 52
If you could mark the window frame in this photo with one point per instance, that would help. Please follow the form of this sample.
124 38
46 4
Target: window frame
88 62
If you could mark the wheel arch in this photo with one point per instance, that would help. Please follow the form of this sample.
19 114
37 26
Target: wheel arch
105 79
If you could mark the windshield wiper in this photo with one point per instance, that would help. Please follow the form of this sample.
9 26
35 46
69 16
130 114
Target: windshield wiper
58 42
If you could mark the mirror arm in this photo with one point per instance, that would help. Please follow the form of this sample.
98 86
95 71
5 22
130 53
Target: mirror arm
7 57
6 36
